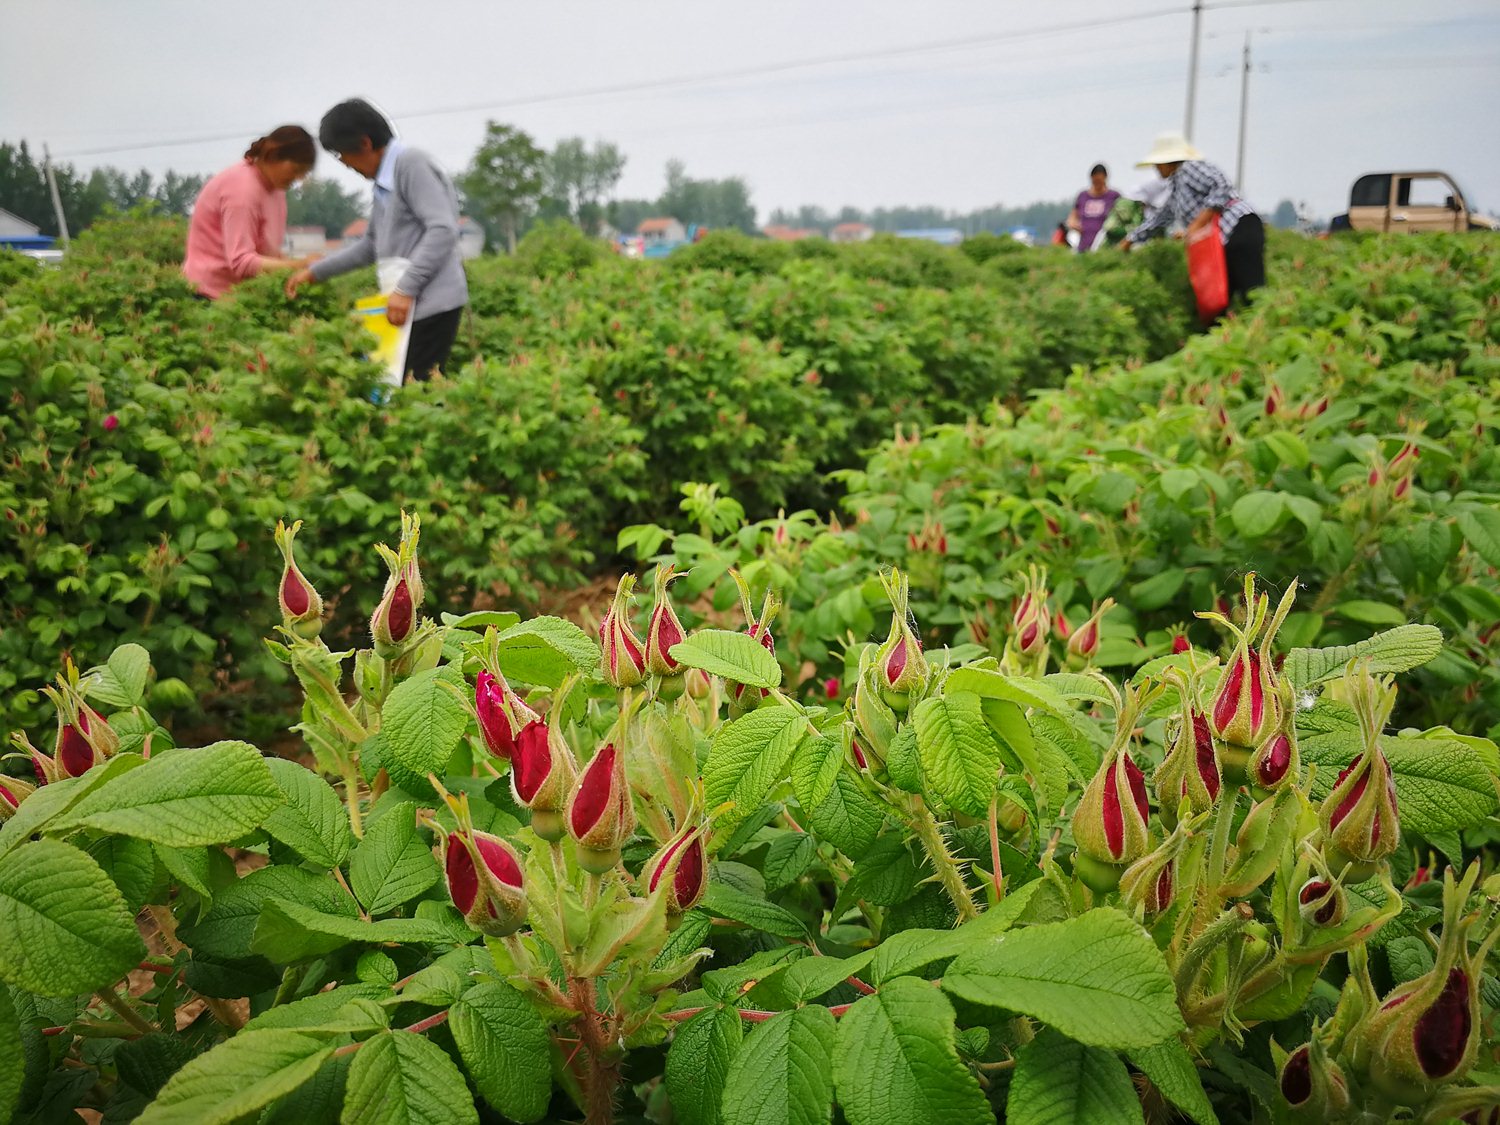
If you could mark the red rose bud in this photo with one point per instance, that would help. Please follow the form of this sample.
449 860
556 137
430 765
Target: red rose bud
1032 620
901 666
686 862
1150 882
859 755
1405 460
485 881
873 717
1110 823
1359 816
1322 903
601 817
12 792
301 606
542 776
665 630
1190 769
500 712
1060 625
831 688
1426 1031
395 618
1084 643
624 657
1180 644
1314 1084
83 738
1402 489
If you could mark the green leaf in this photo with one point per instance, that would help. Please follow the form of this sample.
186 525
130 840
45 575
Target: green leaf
1177 483
505 1048
1158 590
481 618
1481 528
52 801
897 1060
738 657
392 864
848 817
1097 978
228 929
749 757
1060 1082
1370 613
130 864
189 866
911 950
698 1065
420 725
815 767
1396 650
321 1010
1288 448
64 927
238 1077
182 798
120 682
1171 1070
1256 514
1441 784
288 932
788 858
783 1073
312 822
724 901
13 1056
400 1078
545 651
960 757
810 977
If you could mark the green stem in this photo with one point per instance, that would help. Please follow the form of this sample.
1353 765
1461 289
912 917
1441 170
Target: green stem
1226 926
351 794
943 861
125 1011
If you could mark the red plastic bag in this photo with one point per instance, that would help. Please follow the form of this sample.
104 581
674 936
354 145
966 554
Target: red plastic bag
1207 271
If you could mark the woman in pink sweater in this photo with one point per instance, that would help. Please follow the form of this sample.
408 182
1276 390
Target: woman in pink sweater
239 218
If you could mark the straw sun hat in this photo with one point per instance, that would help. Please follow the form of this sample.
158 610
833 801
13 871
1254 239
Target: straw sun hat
1169 149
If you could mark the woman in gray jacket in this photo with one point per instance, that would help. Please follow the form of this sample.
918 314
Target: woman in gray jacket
415 217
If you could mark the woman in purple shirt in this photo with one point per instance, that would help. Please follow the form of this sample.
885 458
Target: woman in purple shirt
1092 208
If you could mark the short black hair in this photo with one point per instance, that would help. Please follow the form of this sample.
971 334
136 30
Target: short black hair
1096 170
344 124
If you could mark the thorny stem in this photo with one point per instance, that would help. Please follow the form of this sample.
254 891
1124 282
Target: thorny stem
603 1073
996 875
1227 925
416 1029
125 1011
943 862
351 797
749 1015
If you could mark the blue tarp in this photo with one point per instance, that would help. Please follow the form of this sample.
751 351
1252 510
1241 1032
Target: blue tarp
27 241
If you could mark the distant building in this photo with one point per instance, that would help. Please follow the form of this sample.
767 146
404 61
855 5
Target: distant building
470 237
943 236
18 234
852 232
302 241
778 233
656 231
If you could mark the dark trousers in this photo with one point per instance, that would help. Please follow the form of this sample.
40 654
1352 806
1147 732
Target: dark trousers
1245 258
431 340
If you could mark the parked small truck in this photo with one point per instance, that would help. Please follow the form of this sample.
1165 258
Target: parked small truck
1411 202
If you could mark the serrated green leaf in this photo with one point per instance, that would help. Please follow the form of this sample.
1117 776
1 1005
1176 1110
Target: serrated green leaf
749 756
698 1064
783 1072
505 1047
911 950
848 817
288 932
1097 978
392 864
1441 784
1256 514
815 766
1370 613
1177 483
1060 1082
1158 590
1395 650
788 858
724 901
182 798
481 619
312 822
960 758
1171 1071
321 1010
545 651
120 682
810 977
50 802
421 723
228 929
400 1078
1481 528
64 927
737 657
238 1077
130 865
897 1060
13 1056
318 1099
1288 448
189 866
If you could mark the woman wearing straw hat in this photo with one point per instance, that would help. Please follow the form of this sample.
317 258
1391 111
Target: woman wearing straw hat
1201 194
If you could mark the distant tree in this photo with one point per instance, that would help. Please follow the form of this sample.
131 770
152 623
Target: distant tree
1285 215
322 203
718 204
175 194
23 187
504 181
578 180
628 214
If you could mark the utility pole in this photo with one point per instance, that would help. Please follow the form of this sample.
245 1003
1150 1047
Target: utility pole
1239 164
1192 84
57 207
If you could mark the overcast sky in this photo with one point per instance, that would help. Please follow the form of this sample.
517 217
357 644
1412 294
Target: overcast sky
959 103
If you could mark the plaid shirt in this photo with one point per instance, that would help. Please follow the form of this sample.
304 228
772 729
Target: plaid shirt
1195 186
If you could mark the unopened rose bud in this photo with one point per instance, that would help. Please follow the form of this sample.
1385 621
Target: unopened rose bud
873 716
83 738
395 618
601 816
1314 1084
1180 644
542 776
1032 620
1084 643
684 858
484 879
900 665
12 792
1110 823
501 713
301 605
1322 902
1190 769
665 629
624 657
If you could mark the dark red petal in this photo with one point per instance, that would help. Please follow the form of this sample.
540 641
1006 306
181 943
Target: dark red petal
294 594
399 618
1137 782
501 863
1277 760
895 663
1180 645
74 754
1313 889
689 881
1114 818
1296 1077
1208 762
9 798
1346 806
666 862
1228 700
594 791
1442 1032
532 761
1257 693
463 880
